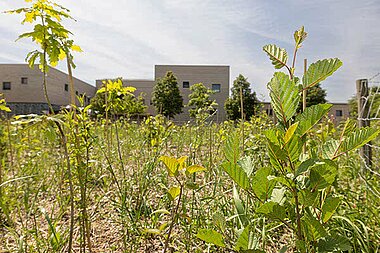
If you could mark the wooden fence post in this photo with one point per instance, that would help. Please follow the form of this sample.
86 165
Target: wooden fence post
362 93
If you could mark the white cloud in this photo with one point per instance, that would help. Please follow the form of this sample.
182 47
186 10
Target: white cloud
126 38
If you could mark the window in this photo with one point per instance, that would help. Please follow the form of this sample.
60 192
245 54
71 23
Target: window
76 93
339 113
66 87
186 85
6 85
216 87
151 102
24 80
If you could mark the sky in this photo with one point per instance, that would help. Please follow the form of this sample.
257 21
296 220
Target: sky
126 38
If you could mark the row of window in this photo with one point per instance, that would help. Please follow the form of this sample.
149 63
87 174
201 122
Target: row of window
8 85
216 87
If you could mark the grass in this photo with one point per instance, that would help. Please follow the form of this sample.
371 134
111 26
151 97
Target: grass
120 188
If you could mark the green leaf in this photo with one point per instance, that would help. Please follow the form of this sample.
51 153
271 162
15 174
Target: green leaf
290 132
315 229
239 208
277 55
329 207
311 116
304 166
357 139
174 192
284 95
329 149
308 198
294 148
261 185
232 148
211 236
300 36
195 168
237 174
323 174
334 243
319 71
245 241
272 210
276 155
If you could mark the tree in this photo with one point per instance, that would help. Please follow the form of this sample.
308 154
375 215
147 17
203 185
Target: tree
315 95
200 101
233 104
166 96
120 100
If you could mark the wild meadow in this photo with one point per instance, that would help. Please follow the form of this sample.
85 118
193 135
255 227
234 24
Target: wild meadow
72 182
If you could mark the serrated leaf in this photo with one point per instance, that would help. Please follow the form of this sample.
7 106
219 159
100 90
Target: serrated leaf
358 138
174 192
329 207
211 236
240 209
237 174
272 210
311 116
319 71
329 148
293 149
261 185
195 168
277 55
276 155
304 166
284 96
308 198
300 36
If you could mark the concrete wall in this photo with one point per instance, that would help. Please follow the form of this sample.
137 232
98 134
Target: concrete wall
24 95
193 74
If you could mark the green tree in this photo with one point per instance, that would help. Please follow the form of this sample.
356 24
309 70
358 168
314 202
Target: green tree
233 104
120 100
200 102
166 96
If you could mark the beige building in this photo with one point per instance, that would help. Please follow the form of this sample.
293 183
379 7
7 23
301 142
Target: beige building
216 78
23 88
338 112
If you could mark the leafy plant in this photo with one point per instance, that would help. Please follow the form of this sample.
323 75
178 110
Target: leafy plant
200 102
297 191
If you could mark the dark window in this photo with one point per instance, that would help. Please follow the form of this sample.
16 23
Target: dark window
216 87
6 85
339 113
24 80
186 85
76 93
151 102
66 87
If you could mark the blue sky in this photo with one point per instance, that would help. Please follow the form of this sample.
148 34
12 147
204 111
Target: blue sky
127 37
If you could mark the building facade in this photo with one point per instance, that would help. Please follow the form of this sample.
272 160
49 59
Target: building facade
216 78
22 87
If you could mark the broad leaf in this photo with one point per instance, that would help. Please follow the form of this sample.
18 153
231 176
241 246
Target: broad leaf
237 174
195 168
261 185
272 210
293 148
277 55
232 148
174 192
329 207
171 164
311 116
314 228
334 243
319 71
323 174
247 164
211 236
290 132
284 95
329 149
357 139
